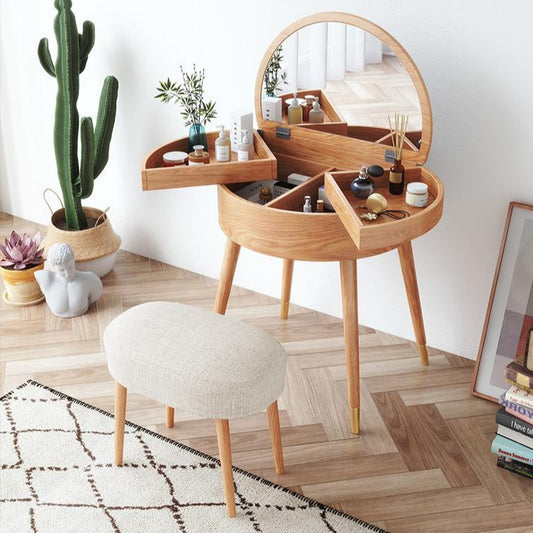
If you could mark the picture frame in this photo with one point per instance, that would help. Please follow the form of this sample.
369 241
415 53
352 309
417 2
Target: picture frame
509 315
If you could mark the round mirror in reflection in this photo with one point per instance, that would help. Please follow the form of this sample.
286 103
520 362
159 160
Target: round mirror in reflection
356 79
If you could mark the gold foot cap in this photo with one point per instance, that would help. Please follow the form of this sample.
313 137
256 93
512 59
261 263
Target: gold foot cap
423 353
354 419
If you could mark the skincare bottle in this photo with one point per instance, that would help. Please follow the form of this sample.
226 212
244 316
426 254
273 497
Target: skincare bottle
222 147
320 206
198 157
396 177
244 149
307 205
316 115
294 112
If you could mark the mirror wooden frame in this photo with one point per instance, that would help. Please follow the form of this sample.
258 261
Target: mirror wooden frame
389 41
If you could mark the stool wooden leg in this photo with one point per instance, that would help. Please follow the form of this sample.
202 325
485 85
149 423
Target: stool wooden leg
286 283
231 255
224 449
275 437
351 337
405 251
170 417
121 394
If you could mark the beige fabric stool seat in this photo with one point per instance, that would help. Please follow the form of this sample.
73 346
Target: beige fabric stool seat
200 362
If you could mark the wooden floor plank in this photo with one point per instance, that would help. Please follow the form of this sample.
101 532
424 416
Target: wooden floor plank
421 464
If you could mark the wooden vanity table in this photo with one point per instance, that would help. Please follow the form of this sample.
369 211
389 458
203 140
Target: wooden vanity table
331 157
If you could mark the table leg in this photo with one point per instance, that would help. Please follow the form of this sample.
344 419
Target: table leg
348 270
231 255
405 251
286 283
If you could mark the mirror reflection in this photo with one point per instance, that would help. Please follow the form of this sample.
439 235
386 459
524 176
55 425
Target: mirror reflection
355 79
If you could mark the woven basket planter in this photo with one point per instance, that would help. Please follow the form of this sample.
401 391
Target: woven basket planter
21 287
95 248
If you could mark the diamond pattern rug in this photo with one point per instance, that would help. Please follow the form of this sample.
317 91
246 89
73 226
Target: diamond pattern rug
57 475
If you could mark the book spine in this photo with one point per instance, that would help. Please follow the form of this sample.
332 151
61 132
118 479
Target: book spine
515 466
512 450
512 422
515 436
525 399
523 412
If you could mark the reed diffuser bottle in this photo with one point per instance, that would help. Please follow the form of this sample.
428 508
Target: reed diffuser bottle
397 170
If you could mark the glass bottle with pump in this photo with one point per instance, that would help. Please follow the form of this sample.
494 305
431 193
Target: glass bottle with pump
222 147
308 208
199 156
396 177
244 150
294 112
316 115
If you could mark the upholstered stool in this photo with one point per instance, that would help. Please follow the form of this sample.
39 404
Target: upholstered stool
201 362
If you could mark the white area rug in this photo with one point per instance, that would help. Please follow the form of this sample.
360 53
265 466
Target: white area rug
57 476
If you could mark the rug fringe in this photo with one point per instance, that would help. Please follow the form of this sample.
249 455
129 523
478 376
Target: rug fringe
306 499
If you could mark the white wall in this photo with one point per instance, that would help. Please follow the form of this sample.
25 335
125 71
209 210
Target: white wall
474 56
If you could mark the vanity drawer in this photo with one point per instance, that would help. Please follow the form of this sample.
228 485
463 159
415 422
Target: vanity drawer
156 177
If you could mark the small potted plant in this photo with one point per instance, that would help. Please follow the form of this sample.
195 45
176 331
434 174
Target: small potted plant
274 78
22 256
190 96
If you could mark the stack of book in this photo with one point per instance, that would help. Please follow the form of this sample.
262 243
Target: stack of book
514 438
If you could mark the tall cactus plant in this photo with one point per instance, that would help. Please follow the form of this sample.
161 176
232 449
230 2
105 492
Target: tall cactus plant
77 178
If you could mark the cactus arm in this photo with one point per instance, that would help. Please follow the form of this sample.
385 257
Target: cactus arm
86 43
86 178
105 121
66 116
45 58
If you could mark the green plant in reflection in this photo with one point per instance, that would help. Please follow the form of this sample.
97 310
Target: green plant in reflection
275 78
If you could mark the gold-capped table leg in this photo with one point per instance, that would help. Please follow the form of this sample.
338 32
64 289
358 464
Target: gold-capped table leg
354 419
423 353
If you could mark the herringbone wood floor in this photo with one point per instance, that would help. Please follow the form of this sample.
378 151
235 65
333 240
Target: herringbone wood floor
421 464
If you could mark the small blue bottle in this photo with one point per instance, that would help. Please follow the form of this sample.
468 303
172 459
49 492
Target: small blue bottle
363 186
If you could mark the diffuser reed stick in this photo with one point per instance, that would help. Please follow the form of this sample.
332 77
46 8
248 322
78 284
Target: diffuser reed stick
398 133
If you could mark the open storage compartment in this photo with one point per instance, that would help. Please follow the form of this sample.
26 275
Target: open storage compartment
155 176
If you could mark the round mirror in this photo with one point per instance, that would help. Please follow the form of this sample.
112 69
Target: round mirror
350 78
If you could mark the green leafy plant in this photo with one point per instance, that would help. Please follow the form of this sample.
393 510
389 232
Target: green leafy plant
275 78
77 177
190 96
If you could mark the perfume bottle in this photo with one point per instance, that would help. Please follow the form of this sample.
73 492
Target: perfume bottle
316 115
396 177
199 156
294 112
308 208
362 186
222 147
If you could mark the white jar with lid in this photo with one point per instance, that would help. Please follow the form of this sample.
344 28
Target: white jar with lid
417 194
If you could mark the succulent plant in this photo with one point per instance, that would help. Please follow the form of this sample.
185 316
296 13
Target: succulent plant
21 251
77 177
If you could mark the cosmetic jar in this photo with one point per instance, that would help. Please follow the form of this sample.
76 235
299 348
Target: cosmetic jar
417 194
174 159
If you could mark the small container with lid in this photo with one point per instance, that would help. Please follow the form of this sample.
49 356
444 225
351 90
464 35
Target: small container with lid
199 156
174 159
417 194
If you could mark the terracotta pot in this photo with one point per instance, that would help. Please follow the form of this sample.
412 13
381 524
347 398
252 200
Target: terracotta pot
94 248
21 287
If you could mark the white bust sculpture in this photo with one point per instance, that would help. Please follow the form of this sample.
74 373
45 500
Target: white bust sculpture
68 292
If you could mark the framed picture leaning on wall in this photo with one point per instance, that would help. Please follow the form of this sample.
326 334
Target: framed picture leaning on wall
509 314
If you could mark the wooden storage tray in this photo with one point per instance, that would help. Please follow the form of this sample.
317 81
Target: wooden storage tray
384 231
156 177
333 123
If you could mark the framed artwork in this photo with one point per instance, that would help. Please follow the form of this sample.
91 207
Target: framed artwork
510 311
